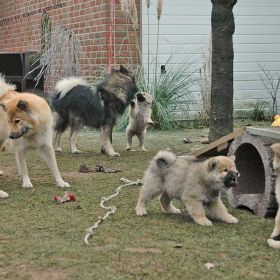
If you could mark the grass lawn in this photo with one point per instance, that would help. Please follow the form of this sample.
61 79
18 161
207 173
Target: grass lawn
40 239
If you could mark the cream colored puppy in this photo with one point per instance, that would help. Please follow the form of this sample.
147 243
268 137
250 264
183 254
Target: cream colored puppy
197 183
139 118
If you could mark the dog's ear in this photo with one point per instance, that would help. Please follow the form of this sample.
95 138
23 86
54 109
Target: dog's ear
275 148
3 107
212 164
23 105
123 70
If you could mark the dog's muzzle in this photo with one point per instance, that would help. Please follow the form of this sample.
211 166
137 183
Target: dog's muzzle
140 97
16 135
231 179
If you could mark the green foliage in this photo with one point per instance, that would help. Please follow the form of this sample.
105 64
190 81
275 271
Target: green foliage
172 94
259 112
123 122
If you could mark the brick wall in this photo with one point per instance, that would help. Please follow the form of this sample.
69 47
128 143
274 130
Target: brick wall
90 20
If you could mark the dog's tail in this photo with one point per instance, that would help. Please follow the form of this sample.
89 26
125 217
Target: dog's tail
4 86
273 243
165 158
65 85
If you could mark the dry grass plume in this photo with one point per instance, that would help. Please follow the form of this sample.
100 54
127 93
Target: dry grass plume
159 8
159 12
129 8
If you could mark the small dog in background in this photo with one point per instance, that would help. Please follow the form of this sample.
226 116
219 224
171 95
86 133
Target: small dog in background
197 183
274 241
139 118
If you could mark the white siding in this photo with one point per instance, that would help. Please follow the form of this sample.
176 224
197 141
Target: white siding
184 32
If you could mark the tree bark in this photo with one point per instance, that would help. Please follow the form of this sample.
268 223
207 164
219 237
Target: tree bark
222 22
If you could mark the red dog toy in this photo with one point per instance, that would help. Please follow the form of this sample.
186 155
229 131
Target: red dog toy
67 197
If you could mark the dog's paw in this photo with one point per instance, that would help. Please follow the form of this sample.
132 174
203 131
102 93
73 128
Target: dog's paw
62 184
203 222
1 173
128 148
141 211
273 243
27 184
3 194
172 210
109 152
59 150
231 220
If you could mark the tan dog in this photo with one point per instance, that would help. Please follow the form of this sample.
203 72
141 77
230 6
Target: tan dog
274 240
197 183
30 126
139 118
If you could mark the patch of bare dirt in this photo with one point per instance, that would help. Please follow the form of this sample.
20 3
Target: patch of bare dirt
74 175
9 169
9 172
142 250
35 273
104 248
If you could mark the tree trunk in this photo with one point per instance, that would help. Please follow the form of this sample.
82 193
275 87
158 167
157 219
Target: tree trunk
222 22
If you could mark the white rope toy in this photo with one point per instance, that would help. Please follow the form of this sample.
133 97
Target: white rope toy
111 209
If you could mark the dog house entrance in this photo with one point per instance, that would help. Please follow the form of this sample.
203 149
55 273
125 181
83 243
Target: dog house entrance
250 166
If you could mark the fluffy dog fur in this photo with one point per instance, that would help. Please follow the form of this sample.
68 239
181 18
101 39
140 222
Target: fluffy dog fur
29 122
197 183
139 118
76 104
7 92
274 240
4 133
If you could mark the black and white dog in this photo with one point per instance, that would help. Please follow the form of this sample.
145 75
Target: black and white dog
76 104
